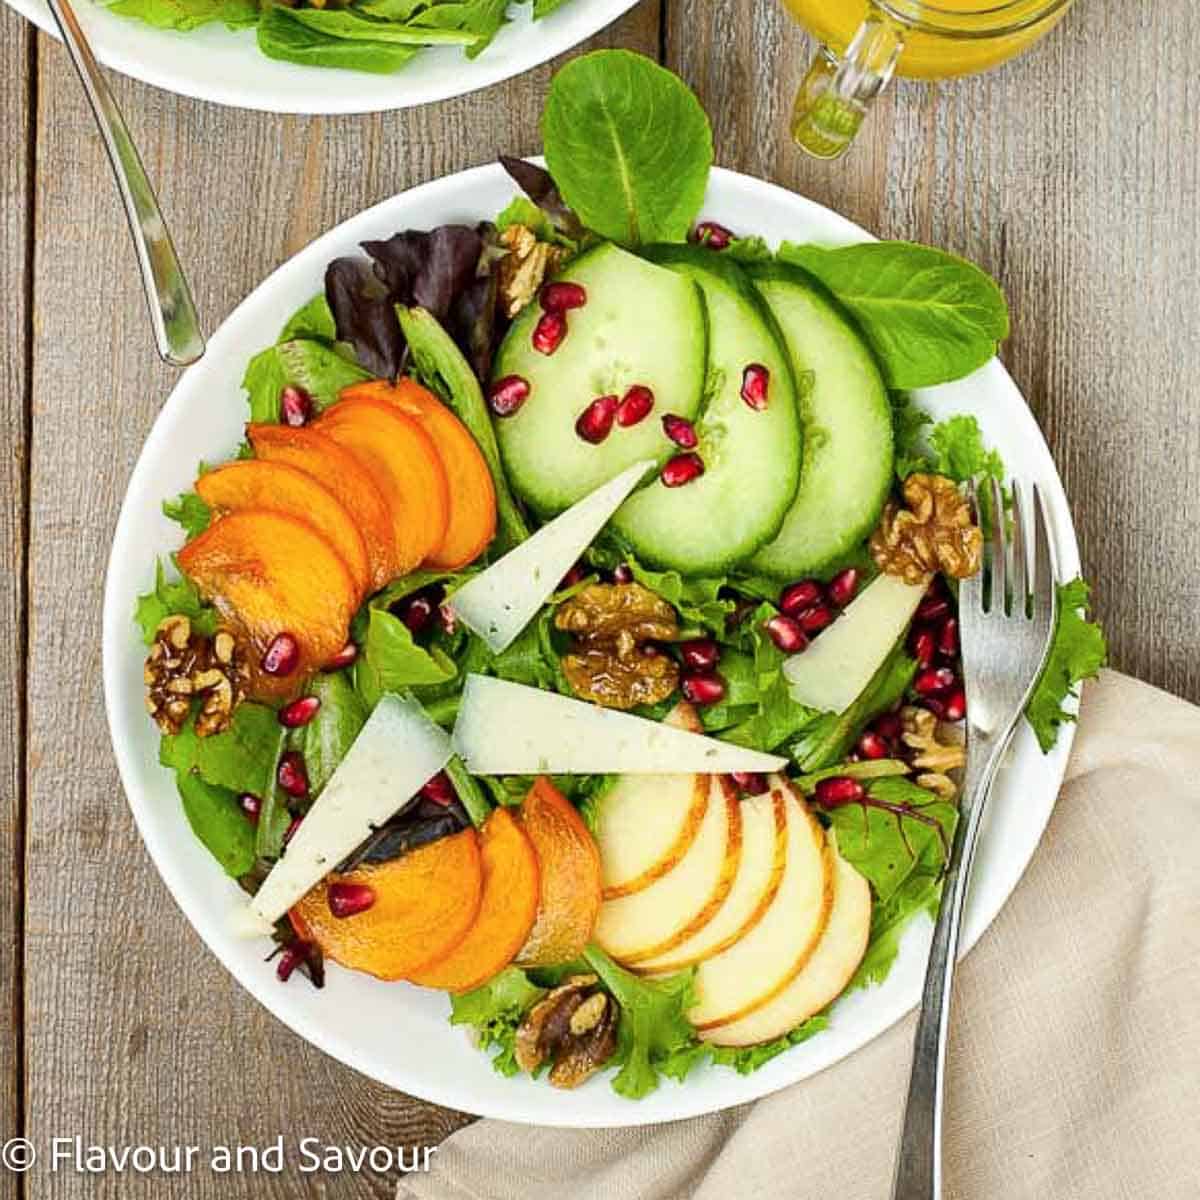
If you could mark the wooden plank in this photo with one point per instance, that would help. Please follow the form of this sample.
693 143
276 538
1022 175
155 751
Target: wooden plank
16 44
134 1030
1072 176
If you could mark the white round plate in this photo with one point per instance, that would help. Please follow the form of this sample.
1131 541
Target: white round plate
225 66
399 1034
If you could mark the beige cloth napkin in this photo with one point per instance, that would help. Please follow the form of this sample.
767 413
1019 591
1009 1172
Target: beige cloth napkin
1075 1062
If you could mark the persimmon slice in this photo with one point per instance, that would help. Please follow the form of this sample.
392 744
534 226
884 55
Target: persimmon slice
569 885
257 483
506 911
339 471
425 903
270 573
472 523
406 467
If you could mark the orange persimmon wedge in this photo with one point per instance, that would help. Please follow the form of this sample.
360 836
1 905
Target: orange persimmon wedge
269 573
406 467
569 887
257 483
339 471
506 912
425 903
472 522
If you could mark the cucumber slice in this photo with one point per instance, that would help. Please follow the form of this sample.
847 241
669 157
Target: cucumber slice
641 325
847 419
751 457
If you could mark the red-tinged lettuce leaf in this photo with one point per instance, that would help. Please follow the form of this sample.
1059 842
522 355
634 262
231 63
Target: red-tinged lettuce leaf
365 315
427 269
538 185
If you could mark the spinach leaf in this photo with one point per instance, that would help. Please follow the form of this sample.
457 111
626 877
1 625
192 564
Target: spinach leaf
354 26
327 738
628 145
173 596
1077 652
217 820
929 316
314 366
391 661
242 759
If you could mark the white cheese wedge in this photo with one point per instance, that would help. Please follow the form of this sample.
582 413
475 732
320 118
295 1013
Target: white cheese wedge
501 601
398 751
508 729
833 671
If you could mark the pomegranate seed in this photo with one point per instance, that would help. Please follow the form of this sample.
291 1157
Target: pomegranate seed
251 806
299 712
295 406
291 775
346 899
290 831
814 619
622 573
700 654
888 725
290 959
750 783
681 431
934 680
417 613
837 790
562 297
506 395
921 645
872 745
756 380
343 658
702 689
446 619
936 603
843 586
681 469
947 638
797 597
934 705
712 235
440 790
635 406
573 576
956 705
596 421
282 656
549 332
787 633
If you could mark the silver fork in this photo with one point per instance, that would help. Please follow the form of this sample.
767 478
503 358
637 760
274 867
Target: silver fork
1006 618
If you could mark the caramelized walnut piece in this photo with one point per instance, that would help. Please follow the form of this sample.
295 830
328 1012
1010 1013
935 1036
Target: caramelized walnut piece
525 267
936 754
183 665
934 533
574 1026
611 664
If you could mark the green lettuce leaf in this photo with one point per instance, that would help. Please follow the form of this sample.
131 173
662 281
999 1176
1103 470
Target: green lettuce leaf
327 738
1077 652
313 321
192 514
391 661
628 145
189 14
929 316
173 596
282 37
242 759
494 1011
747 1059
217 820
959 452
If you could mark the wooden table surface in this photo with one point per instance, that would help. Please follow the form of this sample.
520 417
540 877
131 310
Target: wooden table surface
1072 175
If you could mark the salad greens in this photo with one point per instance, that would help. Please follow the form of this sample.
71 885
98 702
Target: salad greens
377 36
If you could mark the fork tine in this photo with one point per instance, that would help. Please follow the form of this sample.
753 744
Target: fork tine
1043 562
1020 565
970 590
999 595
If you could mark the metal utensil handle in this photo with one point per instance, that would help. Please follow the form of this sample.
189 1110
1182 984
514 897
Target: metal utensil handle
172 311
919 1157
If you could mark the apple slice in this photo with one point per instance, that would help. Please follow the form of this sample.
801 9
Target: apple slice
757 967
763 865
508 729
823 978
499 603
645 824
832 672
674 908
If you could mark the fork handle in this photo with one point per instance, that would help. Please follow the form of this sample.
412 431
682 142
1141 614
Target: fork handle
919 1155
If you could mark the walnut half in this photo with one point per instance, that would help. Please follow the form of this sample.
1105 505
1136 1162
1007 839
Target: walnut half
934 533
935 753
575 1026
184 665
612 664
523 269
